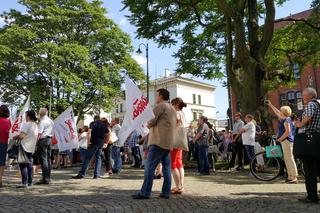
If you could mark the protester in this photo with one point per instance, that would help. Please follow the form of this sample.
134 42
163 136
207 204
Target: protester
135 149
106 149
286 137
211 143
191 135
4 137
116 148
248 135
226 141
161 139
55 153
28 135
44 145
96 138
237 147
176 154
83 144
201 139
311 122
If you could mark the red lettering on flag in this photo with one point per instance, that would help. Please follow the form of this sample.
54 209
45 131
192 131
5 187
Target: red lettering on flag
139 106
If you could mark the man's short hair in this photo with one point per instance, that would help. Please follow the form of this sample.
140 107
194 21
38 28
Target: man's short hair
96 117
164 93
311 91
117 120
43 111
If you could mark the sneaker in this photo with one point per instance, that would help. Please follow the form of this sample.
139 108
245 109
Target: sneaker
96 177
139 197
164 196
77 177
307 200
43 182
22 186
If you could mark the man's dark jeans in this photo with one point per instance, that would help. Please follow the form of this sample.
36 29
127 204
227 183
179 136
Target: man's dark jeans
91 151
312 170
203 160
157 155
137 156
44 154
107 158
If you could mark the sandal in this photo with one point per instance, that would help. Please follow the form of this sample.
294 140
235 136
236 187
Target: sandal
174 190
179 191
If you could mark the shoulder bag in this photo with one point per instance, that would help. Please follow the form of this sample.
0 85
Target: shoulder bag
307 145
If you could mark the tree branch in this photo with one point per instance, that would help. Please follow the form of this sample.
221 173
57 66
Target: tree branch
253 27
268 27
298 20
226 8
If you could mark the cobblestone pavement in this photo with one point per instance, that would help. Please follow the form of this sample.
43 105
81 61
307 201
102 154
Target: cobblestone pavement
220 192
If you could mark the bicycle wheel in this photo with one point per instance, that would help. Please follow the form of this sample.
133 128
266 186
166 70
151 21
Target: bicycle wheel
264 168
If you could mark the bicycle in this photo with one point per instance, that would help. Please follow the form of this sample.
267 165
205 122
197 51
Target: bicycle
269 168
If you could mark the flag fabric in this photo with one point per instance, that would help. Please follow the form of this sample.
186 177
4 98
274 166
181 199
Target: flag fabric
65 131
138 111
20 120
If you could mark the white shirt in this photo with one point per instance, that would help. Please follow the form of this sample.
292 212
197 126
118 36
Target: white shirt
181 119
116 129
83 140
248 137
30 140
46 127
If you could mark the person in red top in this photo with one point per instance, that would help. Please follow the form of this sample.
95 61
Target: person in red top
4 137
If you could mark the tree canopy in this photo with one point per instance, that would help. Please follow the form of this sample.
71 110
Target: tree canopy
211 33
65 47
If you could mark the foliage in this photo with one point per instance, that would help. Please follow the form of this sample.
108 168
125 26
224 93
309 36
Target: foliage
67 47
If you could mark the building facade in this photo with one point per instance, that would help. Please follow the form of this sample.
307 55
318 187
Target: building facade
198 96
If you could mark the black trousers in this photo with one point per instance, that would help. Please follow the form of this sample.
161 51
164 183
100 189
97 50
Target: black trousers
312 170
44 154
237 149
137 156
107 158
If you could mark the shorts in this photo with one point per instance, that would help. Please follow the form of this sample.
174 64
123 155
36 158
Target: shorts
3 153
176 159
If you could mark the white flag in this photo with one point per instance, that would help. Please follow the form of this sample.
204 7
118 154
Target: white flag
20 120
138 111
65 131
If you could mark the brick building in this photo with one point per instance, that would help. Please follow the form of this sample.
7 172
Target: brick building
291 96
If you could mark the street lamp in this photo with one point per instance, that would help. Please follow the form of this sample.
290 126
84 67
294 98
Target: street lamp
147 56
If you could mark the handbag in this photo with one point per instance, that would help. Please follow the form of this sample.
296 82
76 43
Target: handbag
274 151
213 149
307 145
22 156
181 139
13 149
113 137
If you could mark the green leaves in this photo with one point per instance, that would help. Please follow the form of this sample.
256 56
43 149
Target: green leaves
69 46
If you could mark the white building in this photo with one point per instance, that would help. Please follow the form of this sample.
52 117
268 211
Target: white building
198 96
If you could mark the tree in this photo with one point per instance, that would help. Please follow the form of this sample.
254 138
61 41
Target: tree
68 48
215 32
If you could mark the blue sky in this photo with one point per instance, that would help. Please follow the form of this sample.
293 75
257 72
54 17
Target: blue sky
161 59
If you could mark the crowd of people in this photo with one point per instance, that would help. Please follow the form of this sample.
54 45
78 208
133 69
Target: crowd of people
164 151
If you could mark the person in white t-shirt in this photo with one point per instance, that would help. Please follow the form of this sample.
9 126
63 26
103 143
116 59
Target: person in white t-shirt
248 134
83 143
29 136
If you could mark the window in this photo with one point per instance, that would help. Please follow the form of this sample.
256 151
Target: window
194 116
296 71
283 99
291 96
121 107
194 98
199 99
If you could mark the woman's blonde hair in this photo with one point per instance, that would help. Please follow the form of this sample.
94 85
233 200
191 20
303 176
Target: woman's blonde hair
286 111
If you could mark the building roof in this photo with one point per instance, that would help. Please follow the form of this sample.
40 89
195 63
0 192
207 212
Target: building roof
174 77
283 23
